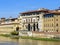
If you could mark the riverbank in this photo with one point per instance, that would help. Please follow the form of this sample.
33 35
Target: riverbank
11 36
43 39
5 35
32 38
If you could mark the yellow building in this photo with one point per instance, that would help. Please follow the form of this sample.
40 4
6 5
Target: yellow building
41 20
9 25
52 21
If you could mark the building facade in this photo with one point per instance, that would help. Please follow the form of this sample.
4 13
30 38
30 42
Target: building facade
33 20
41 20
52 21
9 25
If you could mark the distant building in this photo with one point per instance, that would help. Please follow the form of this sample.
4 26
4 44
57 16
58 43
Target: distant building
9 25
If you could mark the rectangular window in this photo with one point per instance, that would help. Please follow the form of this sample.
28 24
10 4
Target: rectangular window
26 20
48 15
52 25
31 19
52 19
56 19
57 24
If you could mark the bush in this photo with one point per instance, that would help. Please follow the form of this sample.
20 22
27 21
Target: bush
15 33
5 35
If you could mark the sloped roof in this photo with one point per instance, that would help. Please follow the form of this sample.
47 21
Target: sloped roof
32 11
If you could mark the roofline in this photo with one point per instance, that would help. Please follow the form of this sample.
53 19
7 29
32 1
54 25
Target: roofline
34 11
44 10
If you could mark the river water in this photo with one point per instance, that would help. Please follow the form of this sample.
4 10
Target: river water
9 41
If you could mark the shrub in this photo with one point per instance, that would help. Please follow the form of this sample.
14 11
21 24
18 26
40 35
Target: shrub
15 33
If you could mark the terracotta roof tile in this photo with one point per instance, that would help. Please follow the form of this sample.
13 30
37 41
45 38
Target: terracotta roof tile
34 11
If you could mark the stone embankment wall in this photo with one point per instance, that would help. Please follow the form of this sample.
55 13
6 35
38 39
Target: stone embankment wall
41 34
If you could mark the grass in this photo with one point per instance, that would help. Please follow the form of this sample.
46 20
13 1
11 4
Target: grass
43 39
5 35
27 37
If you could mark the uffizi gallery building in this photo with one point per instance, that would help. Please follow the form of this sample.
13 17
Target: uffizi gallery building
41 20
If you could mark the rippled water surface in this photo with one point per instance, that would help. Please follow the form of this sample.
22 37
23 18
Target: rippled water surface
8 41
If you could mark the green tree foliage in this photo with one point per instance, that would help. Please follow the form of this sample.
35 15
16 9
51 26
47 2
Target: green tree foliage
15 33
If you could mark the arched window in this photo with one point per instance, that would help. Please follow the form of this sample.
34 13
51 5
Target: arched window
17 28
28 27
34 27
37 26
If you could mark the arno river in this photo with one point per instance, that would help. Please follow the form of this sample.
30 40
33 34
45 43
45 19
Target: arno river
8 41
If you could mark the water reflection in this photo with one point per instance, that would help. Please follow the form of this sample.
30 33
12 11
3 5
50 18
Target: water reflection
8 41
35 42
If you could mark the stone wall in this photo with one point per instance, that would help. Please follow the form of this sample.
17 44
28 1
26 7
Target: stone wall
39 34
